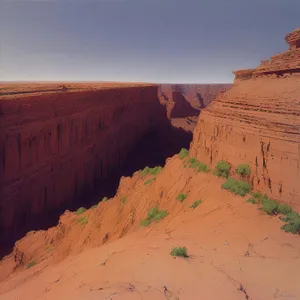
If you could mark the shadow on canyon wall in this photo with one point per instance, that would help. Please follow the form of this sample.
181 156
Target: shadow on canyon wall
152 150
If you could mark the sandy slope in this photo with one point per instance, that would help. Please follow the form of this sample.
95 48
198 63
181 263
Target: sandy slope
236 251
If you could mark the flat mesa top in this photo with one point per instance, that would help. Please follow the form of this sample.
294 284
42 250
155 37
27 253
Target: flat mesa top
14 89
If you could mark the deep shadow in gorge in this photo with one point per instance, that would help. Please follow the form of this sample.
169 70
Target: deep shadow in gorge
152 150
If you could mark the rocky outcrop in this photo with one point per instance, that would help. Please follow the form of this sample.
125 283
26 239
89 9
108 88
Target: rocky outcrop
257 122
58 147
243 74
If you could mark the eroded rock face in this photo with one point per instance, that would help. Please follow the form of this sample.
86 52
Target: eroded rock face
56 147
185 101
257 122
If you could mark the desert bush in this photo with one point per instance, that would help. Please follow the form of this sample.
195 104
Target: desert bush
237 187
293 224
195 164
181 197
179 251
104 199
31 264
80 210
284 209
222 169
243 170
149 181
94 206
183 153
123 199
269 206
151 171
154 214
83 220
196 203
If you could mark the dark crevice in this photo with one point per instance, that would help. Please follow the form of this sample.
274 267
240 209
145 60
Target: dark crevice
151 150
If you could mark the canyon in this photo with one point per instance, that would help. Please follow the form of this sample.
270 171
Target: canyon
63 144
58 146
120 248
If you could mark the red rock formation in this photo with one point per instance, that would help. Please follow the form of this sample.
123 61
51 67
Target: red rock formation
186 100
258 122
56 147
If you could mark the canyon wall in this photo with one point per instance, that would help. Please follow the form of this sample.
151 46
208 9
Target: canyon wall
56 147
257 122
184 101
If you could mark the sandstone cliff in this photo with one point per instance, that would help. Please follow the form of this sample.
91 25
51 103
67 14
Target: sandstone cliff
257 122
57 147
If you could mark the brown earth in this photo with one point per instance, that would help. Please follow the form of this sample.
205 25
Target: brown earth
236 251
257 122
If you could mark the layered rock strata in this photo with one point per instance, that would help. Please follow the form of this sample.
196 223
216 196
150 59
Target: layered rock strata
56 147
257 122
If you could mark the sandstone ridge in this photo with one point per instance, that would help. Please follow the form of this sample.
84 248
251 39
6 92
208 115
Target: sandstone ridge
257 122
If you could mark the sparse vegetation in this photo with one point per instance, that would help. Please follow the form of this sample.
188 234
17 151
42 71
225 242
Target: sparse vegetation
183 153
243 170
222 169
181 197
284 209
269 206
83 220
151 171
31 264
123 199
80 210
94 206
149 181
293 222
195 164
179 251
272 207
154 214
104 199
196 203
238 187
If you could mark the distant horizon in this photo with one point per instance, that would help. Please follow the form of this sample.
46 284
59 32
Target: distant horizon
107 81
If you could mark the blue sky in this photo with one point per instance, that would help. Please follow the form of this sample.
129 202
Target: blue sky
173 41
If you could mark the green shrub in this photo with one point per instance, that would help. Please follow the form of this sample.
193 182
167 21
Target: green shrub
154 214
202 167
94 206
31 264
260 197
284 209
80 210
196 203
237 187
123 199
252 200
222 169
269 206
183 153
179 251
243 170
104 199
181 197
83 220
193 163
149 181
151 171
